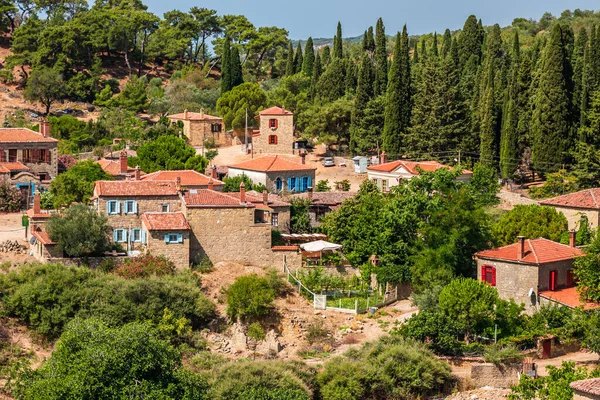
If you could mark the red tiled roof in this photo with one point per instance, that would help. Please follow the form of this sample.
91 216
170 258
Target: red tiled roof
276 111
273 200
284 248
165 221
135 188
537 251
188 177
411 166
113 167
587 199
272 164
43 237
327 198
13 166
211 198
568 297
195 117
23 135
588 386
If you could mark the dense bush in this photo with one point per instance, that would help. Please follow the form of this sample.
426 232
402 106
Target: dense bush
531 221
48 296
249 296
76 185
144 266
10 198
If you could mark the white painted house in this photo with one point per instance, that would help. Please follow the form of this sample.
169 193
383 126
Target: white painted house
390 174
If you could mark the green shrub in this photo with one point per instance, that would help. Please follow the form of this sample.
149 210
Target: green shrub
256 332
249 296
316 332
144 266
10 198
503 354
204 267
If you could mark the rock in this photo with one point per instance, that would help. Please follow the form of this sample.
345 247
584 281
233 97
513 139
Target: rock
270 346
239 340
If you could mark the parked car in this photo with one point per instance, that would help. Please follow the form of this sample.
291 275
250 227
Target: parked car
328 162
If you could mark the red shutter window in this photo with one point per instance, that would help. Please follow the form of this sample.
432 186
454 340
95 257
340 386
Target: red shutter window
570 278
493 276
1 155
552 280
483 269
488 274
272 139
272 123
48 158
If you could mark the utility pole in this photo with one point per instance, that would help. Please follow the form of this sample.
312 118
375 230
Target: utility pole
459 158
246 133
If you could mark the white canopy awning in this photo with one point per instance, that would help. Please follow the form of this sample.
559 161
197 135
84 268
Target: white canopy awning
319 245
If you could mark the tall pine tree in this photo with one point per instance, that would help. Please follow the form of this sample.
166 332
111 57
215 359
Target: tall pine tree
381 61
235 68
364 93
446 43
325 57
226 79
509 140
338 51
309 57
578 64
298 59
469 41
289 66
316 74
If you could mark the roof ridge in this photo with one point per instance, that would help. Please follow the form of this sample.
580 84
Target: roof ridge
537 261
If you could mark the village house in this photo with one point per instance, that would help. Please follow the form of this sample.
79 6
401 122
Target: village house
389 174
119 169
532 271
42 247
277 173
322 203
167 234
578 204
276 132
587 389
190 179
199 128
28 159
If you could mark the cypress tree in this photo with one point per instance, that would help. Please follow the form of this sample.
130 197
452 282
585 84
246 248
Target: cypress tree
338 51
226 81
416 55
364 42
591 73
325 57
550 122
434 47
370 47
298 59
397 106
423 49
316 74
332 83
469 41
364 93
446 43
309 57
578 64
235 68
351 77
380 58
509 141
289 66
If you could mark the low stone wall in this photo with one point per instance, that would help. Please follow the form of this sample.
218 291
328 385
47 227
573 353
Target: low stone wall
499 376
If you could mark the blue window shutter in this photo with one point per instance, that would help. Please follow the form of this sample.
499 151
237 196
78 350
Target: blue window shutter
167 238
118 208
297 185
143 236
289 184
109 205
115 235
309 182
135 207
179 238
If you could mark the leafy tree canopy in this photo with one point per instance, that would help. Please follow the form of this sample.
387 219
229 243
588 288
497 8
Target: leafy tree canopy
531 221
77 183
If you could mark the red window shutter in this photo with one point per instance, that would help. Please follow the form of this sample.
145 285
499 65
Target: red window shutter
48 155
276 123
569 278
493 276
274 139
552 280
1 155
483 270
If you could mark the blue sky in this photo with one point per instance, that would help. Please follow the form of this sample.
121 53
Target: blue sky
318 18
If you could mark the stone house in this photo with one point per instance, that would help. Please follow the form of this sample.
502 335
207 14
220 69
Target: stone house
277 173
280 216
167 234
529 270
390 174
587 389
190 179
27 158
322 203
578 204
119 169
201 127
276 132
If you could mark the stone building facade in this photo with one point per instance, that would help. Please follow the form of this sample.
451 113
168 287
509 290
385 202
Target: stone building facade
276 132
200 128
167 234
524 270
575 205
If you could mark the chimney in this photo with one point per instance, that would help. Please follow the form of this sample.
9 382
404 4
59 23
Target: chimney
242 193
178 183
211 185
303 157
37 201
265 197
202 113
572 237
123 161
185 114
137 173
310 193
521 241
213 172
45 127
383 158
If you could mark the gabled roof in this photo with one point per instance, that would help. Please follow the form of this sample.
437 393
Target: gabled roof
135 188
276 111
211 198
272 199
43 237
586 199
113 167
188 177
165 221
411 166
568 297
115 155
23 135
272 164
192 116
13 166
537 251
588 386
326 198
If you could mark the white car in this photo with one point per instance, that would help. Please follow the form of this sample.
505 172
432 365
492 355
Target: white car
328 162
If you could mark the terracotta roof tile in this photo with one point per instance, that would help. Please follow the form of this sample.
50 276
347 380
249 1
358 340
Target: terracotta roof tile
135 188
273 200
568 297
43 237
537 251
411 166
276 111
165 221
272 164
43 214
23 135
587 199
188 177
113 167
192 116
211 198
284 248
7 167
588 386
327 198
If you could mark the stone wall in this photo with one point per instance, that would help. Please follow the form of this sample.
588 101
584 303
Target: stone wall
179 253
574 216
198 131
272 177
499 376
283 219
284 133
50 168
584 396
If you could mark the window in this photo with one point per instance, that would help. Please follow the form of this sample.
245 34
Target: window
27 155
1 155
165 208
292 184
273 123
173 238
215 128
570 278
113 207
136 235
120 235
275 219
384 185
278 184
552 284
130 207
44 156
12 155
305 183
488 274
44 176
272 139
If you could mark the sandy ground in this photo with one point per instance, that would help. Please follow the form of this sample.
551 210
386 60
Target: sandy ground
11 229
